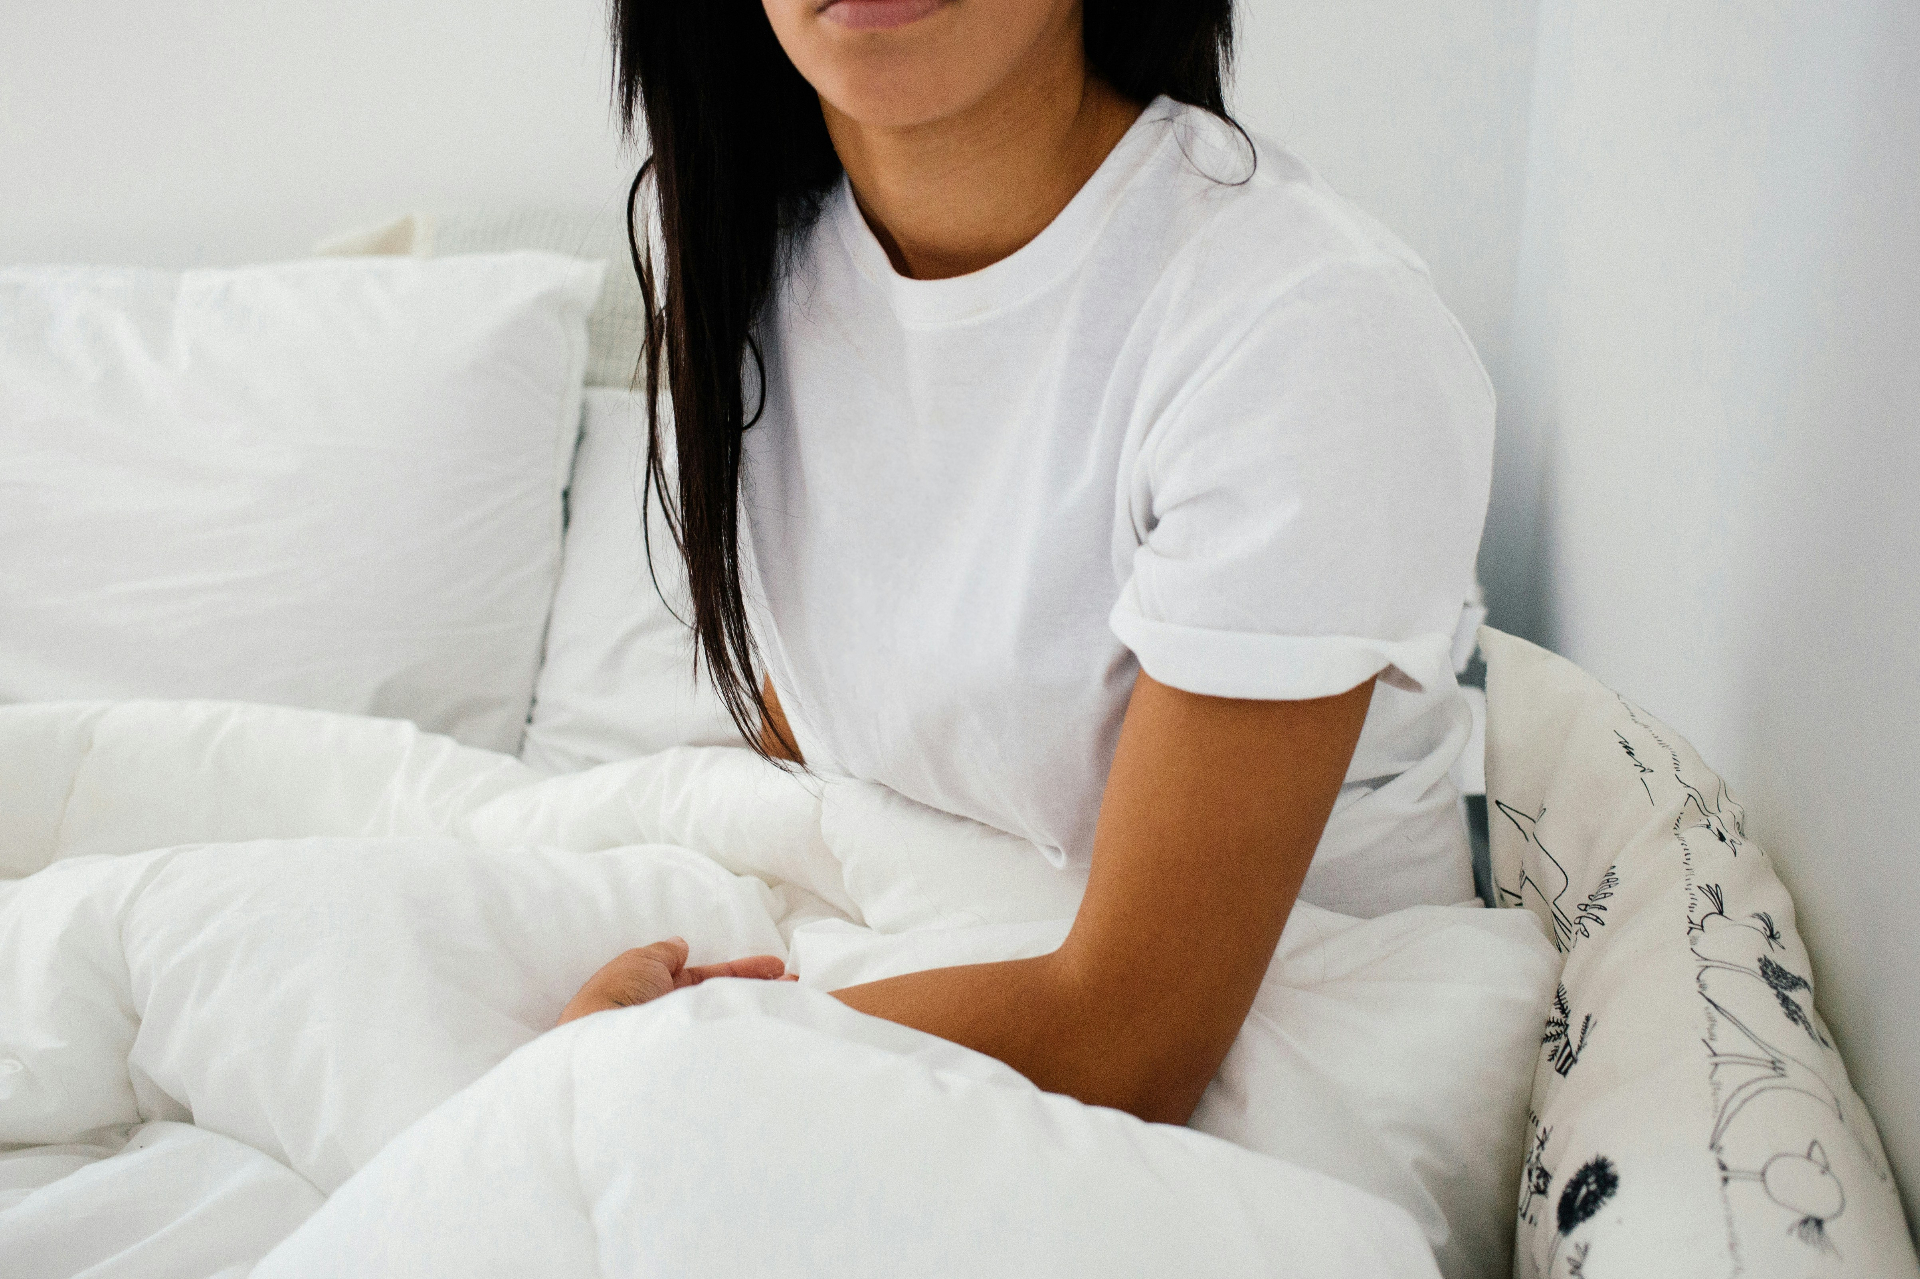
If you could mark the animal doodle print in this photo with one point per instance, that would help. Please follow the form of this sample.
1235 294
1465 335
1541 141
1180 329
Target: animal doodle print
1563 1043
1777 1110
1536 1179
1584 1195
1542 878
1768 1056
1805 1186
1640 766
1543 883
1690 1114
1591 913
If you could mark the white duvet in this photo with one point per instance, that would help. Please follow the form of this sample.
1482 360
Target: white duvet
275 990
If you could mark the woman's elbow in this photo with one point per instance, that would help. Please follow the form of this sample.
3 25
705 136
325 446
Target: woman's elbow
1155 1072
1169 1095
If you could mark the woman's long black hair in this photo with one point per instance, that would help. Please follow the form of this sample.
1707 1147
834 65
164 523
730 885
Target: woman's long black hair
741 162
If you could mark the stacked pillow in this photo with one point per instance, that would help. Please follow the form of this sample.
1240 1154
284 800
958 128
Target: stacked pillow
334 484
619 677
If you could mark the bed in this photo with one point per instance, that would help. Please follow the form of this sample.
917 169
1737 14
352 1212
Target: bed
345 734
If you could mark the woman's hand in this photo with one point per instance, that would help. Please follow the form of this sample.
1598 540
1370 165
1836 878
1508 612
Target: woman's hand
636 976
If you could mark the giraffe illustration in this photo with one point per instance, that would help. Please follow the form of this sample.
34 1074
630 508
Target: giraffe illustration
1543 880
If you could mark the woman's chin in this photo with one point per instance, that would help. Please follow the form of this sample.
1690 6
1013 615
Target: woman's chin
901 88
901 64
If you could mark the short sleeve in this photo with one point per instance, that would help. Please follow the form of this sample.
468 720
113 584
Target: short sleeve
1308 506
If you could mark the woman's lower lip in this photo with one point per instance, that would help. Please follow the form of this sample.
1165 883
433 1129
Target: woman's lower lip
878 15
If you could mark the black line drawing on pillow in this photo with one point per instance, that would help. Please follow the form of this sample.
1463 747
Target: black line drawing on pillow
1786 984
1562 1045
1536 1179
1721 942
1805 1186
1584 1195
1721 817
1705 928
1745 976
1532 874
1588 914
1639 765
1738 978
1771 1069
1725 819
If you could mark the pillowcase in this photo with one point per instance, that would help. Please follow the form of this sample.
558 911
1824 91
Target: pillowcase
1691 1115
619 678
332 484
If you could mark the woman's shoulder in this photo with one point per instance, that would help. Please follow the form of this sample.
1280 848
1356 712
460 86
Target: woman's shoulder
1261 262
1243 218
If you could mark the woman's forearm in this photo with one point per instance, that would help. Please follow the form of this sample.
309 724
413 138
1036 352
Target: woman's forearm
1212 812
1064 1030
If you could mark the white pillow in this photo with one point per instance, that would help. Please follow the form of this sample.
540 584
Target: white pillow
1691 1115
619 678
333 484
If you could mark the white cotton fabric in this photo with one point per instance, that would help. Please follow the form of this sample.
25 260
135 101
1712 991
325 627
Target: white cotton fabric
333 484
619 678
1210 424
333 943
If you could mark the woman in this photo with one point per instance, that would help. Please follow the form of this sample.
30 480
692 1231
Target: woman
1049 456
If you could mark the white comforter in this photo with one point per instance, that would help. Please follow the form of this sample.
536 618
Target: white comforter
273 988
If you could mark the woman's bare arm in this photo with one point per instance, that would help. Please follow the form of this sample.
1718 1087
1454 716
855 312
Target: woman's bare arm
776 738
1212 811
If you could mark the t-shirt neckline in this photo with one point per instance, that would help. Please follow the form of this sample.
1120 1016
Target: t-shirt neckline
1027 269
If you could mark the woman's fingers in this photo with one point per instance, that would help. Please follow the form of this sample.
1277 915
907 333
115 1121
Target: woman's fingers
648 972
631 977
764 967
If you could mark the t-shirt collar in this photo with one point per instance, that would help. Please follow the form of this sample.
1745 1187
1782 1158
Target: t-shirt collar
1026 270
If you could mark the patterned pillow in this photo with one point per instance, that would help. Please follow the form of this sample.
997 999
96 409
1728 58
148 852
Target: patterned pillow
1691 1115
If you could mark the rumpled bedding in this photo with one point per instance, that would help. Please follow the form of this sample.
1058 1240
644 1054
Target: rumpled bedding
276 989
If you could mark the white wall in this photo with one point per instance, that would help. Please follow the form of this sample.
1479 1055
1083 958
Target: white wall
180 132
185 131
1716 381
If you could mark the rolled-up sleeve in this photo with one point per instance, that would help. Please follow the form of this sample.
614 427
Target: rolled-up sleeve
1308 508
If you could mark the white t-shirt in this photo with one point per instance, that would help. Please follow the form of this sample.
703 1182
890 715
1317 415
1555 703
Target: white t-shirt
1215 426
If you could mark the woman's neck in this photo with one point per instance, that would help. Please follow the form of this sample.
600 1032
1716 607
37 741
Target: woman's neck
957 194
